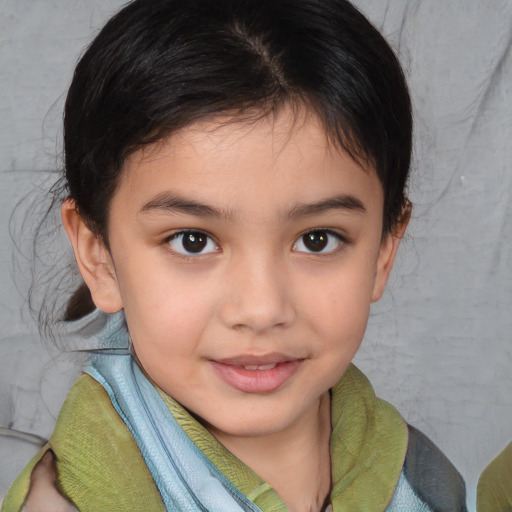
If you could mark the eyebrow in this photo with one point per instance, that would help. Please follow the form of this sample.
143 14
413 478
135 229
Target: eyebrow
343 202
171 203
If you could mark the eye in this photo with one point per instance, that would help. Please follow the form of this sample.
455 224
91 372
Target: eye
319 241
192 242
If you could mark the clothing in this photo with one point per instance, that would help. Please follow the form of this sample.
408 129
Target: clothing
494 491
378 462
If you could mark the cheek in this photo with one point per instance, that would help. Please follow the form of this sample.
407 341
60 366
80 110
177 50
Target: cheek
154 287
166 313
167 333
338 306
346 316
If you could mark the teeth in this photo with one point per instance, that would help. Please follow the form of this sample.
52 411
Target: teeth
260 367
267 366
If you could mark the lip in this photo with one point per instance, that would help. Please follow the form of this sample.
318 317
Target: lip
256 374
255 359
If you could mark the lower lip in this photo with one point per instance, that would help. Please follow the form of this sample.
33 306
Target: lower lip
256 381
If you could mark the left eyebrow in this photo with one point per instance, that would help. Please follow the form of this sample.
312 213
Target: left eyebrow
344 202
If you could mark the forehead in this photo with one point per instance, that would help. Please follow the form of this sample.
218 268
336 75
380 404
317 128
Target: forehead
281 159
233 135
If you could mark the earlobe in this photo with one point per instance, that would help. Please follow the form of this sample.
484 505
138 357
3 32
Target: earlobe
93 260
387 254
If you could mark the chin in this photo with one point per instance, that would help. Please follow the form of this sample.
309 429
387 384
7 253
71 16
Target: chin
254 424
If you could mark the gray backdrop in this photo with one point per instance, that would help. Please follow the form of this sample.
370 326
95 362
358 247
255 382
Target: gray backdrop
439 344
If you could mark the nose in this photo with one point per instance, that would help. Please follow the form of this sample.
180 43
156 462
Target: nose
258 295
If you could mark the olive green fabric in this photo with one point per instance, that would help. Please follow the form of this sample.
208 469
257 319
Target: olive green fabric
368 446
494 491
100 467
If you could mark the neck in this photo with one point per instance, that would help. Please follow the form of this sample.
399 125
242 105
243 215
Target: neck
301 450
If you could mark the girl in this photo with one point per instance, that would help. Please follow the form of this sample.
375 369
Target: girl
235 175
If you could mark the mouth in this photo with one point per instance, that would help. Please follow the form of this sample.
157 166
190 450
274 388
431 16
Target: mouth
258 375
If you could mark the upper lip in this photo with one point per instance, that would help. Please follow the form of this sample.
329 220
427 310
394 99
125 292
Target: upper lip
250 359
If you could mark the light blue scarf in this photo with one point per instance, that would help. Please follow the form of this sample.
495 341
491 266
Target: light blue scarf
185 478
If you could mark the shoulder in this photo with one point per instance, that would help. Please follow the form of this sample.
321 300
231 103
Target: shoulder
99 465
98 462
432 477
87 420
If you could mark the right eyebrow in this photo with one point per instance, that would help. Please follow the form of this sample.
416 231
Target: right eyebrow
171 203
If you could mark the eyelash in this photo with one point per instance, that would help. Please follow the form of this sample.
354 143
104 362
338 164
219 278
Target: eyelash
204 240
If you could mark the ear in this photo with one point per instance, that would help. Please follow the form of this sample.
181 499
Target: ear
93 260
387 253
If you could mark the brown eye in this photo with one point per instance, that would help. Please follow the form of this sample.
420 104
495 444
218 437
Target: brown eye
315 241
318 241
192 242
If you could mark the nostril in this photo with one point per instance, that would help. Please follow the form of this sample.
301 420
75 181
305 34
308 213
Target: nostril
257 319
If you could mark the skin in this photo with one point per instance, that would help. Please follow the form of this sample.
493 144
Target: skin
44 496
257 292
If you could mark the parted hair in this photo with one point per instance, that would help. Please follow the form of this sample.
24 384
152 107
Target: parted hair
159 65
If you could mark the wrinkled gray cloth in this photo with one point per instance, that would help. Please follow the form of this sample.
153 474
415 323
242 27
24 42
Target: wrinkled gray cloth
438 344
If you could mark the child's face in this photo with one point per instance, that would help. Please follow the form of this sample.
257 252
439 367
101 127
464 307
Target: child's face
246 257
